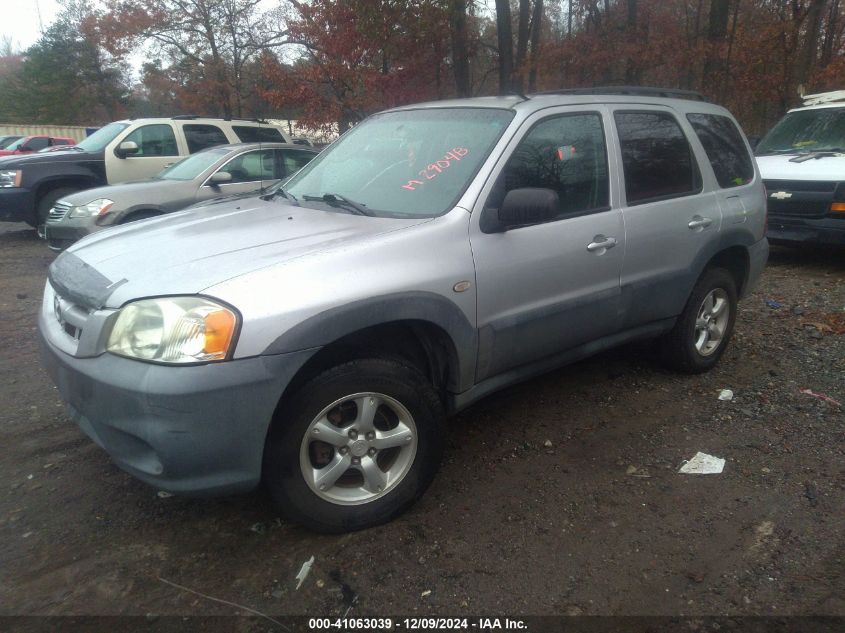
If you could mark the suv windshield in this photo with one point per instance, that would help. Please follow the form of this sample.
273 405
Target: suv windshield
102 137
806 131
192 166
407 163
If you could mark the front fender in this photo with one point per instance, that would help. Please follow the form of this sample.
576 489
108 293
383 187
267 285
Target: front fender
335 323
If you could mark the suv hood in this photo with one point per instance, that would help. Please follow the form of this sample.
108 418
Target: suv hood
779 167
189 251
64 156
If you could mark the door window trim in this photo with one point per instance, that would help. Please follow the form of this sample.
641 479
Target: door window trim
516 141
698 179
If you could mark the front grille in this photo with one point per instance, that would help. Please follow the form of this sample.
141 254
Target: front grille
799 198
59 211
70 316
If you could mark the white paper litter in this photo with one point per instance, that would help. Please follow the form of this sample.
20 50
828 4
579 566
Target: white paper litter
703 464
304 571
726 394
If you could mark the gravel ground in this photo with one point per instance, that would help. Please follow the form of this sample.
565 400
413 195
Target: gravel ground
558 496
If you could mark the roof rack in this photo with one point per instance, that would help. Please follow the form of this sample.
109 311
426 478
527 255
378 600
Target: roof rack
191 117
823 97
635 91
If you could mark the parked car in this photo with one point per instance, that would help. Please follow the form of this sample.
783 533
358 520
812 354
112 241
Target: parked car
119 152
210 173
7 140
317 337
30 144
802 160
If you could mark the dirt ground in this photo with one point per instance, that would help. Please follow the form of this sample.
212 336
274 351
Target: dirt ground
558 496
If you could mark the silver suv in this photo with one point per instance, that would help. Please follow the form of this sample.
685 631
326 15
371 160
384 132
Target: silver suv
317 337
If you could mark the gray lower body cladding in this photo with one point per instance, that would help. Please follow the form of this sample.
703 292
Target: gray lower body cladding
193 430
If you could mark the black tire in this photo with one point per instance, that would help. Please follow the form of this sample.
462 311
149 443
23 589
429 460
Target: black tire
678 347
284 477
47 201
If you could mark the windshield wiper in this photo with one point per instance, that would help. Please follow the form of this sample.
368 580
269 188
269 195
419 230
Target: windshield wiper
827 152
337 200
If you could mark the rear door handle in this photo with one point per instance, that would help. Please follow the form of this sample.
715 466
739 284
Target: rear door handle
600 244
699 223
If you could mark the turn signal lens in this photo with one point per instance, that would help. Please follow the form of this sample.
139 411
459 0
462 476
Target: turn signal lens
838 207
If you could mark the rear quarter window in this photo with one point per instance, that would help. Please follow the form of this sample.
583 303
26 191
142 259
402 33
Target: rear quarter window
255 134
723 144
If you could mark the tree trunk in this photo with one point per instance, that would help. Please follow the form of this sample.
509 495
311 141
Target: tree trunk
505 38
522 34
460 48
632 71
536 34
717 29
807 52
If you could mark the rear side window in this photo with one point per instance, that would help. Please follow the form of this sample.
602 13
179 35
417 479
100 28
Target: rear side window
725 149
565 153
252 134
656 157
202 136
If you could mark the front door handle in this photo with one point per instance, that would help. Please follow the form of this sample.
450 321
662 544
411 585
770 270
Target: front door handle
601 244
698 223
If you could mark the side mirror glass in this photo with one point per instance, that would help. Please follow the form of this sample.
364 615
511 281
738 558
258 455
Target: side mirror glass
126 148
526 206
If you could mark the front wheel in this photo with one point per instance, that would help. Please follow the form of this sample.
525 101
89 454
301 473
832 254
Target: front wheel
356 446
704 328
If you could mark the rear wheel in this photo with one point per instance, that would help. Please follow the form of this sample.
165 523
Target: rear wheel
355 446
702 332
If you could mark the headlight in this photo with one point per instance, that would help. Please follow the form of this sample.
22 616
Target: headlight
95 207
173 330
10 178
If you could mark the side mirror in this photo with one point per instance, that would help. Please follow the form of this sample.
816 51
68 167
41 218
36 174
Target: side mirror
528 206
126 148
25 148
219 177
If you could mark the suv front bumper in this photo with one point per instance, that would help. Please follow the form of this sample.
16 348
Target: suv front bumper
810 230
195 430
17 204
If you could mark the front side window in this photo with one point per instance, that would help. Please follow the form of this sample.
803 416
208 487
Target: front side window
251 167
202 136
725 149
153 140
37 143
566 154
656 157
406 163
804 131
192 166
